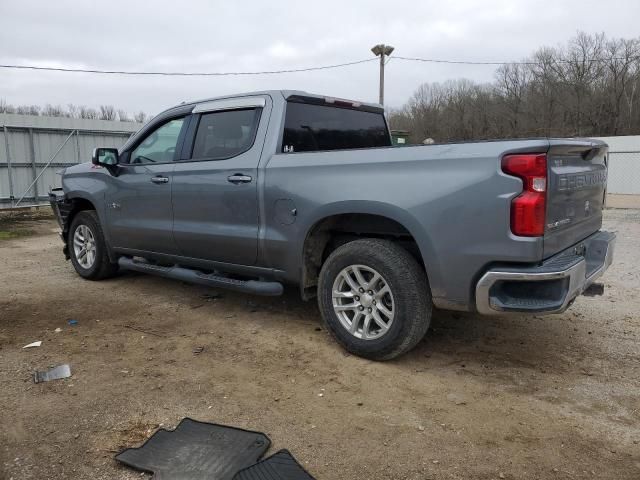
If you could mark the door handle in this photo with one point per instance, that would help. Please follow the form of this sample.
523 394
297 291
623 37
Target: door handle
160 179
239 178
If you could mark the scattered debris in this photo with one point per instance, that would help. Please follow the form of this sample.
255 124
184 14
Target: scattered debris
211 296
72 322
132 327
420 428
58 330
457 399
33 344
56 373
198 350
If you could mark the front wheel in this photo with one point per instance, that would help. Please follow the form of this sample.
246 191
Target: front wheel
374 298
88 249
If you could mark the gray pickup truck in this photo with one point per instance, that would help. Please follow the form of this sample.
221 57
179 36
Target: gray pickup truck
254 191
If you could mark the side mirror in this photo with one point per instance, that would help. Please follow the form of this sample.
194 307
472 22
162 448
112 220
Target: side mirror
105 157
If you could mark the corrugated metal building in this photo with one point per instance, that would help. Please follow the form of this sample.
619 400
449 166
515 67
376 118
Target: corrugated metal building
29 143
36 147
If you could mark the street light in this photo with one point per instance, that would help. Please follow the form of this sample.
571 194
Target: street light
381 50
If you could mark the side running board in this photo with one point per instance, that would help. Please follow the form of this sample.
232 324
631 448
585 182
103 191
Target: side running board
256 287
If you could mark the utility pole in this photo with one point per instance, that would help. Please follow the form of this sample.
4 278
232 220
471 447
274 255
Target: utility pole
381 50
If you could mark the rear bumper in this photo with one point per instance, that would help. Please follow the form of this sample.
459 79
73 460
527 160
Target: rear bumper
550 287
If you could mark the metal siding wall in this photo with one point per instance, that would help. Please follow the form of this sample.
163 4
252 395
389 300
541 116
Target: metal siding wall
46 142
22 177
88 142
19 148
49 179
3 150
624 173
4 182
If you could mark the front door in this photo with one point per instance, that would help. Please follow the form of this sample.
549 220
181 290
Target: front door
215 197
139 202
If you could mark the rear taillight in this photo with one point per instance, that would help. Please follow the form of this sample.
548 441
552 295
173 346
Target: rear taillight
529 208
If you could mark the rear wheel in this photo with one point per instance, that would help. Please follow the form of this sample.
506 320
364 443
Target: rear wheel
374 298
88 249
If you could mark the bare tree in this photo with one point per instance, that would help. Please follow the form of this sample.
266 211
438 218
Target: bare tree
140 117
107 112
73 110
123 116
88 113
52 110
589 87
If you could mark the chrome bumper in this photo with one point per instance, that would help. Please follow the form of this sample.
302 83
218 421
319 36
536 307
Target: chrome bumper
567 274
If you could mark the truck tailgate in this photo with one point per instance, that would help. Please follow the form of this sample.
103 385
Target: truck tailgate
577 179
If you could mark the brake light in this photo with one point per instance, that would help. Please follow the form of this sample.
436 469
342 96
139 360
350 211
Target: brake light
342 103
528 210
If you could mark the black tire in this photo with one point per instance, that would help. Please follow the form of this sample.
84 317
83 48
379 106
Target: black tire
409 286
102 267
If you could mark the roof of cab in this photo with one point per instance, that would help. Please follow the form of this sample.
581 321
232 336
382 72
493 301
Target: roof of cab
285 94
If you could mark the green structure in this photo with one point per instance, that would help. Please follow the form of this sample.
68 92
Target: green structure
400 138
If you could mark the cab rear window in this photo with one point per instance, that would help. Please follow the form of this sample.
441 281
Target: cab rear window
310 128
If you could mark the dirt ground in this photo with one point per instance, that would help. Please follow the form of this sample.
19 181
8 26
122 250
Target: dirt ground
514 397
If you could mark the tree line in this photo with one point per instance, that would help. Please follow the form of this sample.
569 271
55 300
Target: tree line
104 112
588 87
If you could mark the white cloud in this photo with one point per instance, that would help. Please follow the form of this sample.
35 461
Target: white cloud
207 35
283 50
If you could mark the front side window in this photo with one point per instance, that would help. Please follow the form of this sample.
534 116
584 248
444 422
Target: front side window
310 128
159 146
225 134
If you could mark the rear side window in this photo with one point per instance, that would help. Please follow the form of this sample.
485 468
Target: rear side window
308 128
225 134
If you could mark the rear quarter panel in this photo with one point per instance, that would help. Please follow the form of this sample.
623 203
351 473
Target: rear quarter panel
453 199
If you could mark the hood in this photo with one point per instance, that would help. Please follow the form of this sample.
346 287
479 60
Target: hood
81 168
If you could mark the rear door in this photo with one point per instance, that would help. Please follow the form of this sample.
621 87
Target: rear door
215 195
577 181
139 200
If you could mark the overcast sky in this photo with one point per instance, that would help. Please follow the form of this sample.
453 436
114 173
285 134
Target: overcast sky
268 35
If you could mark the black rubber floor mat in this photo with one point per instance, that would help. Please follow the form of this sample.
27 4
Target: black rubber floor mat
197 450
279 466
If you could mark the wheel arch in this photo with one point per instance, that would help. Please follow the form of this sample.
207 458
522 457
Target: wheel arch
388 221
79 202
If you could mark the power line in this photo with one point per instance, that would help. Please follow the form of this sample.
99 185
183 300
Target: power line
297 70
471 62
184 74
